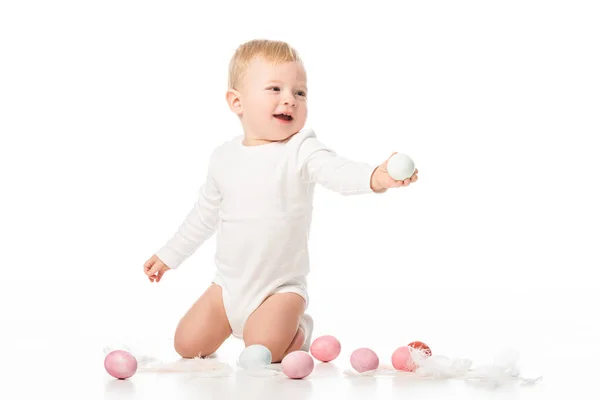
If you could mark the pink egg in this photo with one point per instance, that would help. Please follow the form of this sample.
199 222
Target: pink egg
364 359
326 348
402 360
120 364
297 364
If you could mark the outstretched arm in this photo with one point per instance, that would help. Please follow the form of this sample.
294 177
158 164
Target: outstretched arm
322 165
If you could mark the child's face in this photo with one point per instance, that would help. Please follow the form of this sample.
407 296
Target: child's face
272 101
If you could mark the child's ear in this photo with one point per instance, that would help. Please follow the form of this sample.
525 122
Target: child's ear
233 100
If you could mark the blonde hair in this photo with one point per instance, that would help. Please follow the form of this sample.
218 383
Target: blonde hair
274 51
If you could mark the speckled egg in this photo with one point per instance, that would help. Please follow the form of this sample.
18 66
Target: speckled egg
418 345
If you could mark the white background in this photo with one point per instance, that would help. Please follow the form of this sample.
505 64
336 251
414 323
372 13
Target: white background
109 110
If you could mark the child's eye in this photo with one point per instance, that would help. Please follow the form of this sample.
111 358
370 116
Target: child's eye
301 93
275 88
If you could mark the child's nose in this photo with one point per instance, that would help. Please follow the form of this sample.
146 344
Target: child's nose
289 100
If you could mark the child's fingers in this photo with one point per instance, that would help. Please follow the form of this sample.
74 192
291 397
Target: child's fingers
150 262
155 268
396 184
148 267
147 270
150 272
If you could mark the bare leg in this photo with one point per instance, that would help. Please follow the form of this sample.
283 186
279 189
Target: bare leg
204 327
275 325
296 344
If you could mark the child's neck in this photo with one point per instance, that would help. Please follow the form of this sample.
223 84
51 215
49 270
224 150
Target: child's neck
249 141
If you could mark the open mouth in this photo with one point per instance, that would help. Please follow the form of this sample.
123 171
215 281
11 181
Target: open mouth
283 117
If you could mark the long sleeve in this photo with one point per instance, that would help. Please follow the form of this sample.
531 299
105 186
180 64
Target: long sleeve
321 165
199 225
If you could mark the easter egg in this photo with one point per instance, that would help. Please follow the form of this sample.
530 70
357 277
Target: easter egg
297 364
402 359
364 359
120 364
420 346
255 356
400 167
325 348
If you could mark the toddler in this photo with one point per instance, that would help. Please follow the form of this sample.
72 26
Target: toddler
258 198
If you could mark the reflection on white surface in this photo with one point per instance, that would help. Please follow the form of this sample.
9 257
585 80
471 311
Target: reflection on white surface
119 389
74 367
63 355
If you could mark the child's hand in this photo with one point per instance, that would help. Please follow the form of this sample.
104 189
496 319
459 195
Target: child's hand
381 180
154 268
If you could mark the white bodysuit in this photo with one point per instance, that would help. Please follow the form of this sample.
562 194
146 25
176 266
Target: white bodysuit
259 201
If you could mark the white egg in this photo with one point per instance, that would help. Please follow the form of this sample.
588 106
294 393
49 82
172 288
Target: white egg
400 167
255 356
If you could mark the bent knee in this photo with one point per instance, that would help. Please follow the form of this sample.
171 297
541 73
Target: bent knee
188 347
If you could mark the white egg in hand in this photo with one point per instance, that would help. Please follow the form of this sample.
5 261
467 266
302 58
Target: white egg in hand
400 167
255 356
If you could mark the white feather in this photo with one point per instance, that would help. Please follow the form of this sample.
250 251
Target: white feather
502 371
200 366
